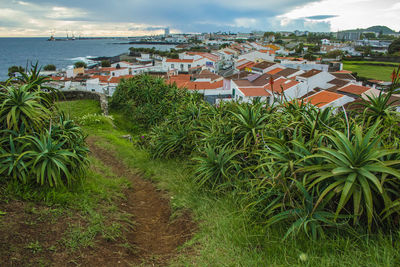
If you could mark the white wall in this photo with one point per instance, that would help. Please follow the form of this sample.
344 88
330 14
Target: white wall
257 55
318 80
119 72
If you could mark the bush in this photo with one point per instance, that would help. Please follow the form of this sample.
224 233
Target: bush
105 63
148 100
37 146
49 67
80 64
14 69
292 164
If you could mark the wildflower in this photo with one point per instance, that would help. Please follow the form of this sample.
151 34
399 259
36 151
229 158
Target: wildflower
393 75
142 136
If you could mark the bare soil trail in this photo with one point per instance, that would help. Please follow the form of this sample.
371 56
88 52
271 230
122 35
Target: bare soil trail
31 236
155 237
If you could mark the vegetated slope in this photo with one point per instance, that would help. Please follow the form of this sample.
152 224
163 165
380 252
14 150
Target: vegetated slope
311 173
113 217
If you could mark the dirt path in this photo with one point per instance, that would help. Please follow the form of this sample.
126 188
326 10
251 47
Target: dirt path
155 237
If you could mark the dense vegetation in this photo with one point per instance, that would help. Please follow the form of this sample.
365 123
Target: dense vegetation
38 143
308 170
147 101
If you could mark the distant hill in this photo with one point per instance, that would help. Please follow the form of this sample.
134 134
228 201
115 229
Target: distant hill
377 29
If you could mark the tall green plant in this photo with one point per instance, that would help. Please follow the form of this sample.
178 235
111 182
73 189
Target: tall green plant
19 106
353 168
50 164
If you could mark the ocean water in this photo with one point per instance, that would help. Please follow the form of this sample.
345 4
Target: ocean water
20 51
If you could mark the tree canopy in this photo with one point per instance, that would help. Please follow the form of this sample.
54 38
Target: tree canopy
394 47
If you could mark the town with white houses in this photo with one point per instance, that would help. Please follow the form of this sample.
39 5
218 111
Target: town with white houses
240 67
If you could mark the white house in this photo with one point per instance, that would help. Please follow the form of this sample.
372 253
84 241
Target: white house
256 56
325 42
178 64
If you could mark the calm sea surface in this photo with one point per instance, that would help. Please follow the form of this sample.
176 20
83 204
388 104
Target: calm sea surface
19 51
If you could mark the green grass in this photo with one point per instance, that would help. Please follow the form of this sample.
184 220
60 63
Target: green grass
368 70
226 234
77 109
371 62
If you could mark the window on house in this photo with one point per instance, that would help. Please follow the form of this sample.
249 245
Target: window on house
189 66
172 66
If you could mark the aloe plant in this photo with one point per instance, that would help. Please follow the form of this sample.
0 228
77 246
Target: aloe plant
14 158
50 163
303 217
354 169
214 168
19 107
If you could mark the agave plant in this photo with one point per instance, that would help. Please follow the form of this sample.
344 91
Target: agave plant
67 131
171 141
303 215
353 168
14 156
379 106
21 108
37 84
250 120
214 168
49 163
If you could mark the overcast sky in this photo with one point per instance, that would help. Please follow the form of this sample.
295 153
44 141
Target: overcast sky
140 17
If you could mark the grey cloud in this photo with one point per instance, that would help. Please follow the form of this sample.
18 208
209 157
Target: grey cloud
322 17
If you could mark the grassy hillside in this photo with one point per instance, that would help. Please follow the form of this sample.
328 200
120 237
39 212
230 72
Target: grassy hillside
226 235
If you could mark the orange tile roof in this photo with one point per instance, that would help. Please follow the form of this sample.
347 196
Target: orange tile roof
254 91
322 98
354 89
246 65
180 60
267 51
197 85
274 47
118 79
274 71
101 78
180 77
280 84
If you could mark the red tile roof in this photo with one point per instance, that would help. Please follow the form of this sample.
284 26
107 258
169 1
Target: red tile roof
267 51
184 81
173 60
246 65
274 71
322 98
118 79
354 89
254 91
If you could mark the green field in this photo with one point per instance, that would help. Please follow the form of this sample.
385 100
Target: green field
369 71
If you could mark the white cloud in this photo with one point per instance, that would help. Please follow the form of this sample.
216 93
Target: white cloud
352 13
